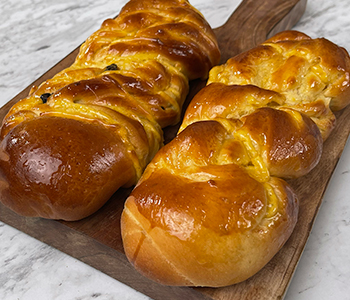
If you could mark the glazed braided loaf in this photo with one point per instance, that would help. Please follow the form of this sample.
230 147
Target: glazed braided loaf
212 209
94 126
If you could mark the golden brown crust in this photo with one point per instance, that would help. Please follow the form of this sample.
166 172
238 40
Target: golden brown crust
171 29
211 209
129 80
289 143
191 227
47 180
312 74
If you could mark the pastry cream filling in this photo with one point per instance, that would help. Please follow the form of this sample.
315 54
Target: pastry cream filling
272 206
258 170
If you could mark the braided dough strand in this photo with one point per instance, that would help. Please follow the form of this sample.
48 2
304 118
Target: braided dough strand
213 202
95 125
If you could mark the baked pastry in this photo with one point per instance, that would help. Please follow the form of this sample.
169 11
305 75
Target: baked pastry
93 127
213 206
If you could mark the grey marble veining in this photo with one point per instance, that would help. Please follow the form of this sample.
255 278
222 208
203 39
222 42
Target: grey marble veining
329 19
33 270
35 35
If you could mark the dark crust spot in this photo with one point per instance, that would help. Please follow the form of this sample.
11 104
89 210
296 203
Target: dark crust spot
44 97
112 67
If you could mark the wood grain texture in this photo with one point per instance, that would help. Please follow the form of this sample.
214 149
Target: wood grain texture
253 21
96 240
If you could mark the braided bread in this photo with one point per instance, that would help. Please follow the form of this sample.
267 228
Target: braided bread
93 127
213 206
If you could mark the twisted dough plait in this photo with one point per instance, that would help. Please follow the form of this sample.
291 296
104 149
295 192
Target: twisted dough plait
212 208
94 126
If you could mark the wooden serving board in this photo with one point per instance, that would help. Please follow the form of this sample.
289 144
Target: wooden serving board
96 240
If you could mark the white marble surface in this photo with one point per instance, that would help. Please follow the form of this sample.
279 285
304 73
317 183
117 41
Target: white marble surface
34 35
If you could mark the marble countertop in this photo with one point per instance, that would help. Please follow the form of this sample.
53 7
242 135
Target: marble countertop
35 35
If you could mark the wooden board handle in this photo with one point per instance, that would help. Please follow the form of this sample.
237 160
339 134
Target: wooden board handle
254 21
